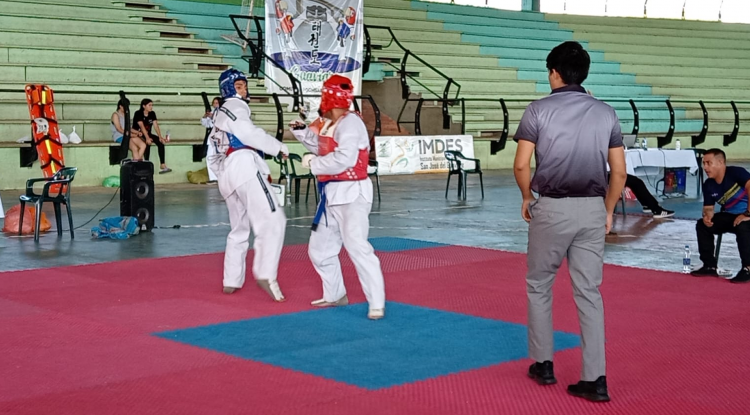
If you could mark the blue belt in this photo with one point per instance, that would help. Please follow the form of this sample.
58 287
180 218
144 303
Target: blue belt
321 211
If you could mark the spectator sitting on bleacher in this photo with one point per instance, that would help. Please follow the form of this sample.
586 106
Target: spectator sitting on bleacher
117 124
143 120
728 186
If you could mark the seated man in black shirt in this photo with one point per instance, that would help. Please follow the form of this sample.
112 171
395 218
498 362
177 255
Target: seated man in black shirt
728 186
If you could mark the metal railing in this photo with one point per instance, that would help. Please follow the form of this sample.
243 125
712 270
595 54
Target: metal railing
444 97
280 113
258 54
666 139
117 153
495 145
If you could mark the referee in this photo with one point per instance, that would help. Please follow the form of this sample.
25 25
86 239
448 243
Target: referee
573 136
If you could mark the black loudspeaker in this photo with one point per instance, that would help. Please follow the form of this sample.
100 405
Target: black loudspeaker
137 192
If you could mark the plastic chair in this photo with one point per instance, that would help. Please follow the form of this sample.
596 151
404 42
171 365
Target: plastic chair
454 167
62 178
297 178
283 169
374 163
457 163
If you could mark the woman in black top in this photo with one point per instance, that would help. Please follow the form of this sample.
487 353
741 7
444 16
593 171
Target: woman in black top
143 120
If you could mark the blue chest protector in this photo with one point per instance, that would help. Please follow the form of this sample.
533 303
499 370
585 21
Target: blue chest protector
236 144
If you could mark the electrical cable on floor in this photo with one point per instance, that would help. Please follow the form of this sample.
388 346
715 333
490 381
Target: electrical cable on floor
392 212
100 211
192 226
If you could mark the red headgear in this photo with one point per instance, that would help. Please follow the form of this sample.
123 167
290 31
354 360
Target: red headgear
337 92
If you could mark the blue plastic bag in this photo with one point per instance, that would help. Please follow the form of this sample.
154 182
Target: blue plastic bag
118 227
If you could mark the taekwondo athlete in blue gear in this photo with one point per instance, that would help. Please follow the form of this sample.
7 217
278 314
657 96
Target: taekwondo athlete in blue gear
243 182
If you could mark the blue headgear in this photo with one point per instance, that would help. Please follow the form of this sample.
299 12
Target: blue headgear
227 80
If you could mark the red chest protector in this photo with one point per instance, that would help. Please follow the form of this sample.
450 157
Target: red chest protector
326 144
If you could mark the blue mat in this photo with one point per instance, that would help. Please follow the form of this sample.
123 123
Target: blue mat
390 244
410 344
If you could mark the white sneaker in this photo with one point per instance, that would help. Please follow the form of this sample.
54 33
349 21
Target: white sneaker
323 303
376 313
664 214
272 288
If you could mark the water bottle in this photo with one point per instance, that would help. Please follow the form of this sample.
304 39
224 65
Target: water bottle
677 144
644 143
167 136
686 261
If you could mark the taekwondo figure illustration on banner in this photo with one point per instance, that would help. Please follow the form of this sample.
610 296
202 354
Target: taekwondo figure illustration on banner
346 25
243 178
285 26
316 39
340 149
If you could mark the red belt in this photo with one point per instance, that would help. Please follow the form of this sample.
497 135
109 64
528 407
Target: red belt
232 149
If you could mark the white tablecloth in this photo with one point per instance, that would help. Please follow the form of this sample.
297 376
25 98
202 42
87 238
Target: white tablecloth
639 162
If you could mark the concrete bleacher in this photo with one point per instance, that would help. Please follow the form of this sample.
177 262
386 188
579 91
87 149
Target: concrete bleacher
495 53
644 59
87 51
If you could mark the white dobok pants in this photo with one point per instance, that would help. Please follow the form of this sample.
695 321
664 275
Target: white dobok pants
210 152
253 205
349 225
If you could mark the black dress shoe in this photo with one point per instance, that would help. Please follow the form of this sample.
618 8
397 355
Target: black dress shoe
742 276
593 391
705 271
543 373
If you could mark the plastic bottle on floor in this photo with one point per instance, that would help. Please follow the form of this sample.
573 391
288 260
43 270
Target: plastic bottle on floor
686 268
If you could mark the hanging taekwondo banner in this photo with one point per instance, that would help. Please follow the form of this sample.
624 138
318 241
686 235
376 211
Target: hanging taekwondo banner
313 40
419 154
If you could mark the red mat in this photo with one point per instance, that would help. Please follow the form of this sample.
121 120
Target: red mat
78 340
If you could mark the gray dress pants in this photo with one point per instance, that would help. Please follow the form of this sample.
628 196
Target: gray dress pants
572 228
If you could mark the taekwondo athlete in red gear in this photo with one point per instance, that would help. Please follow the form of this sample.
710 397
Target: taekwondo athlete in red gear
243 182
285 21
341 148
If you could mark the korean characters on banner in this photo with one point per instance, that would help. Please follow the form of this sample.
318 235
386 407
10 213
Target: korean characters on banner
419 154
313 40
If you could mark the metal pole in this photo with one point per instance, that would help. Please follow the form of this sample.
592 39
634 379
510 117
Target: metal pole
683 9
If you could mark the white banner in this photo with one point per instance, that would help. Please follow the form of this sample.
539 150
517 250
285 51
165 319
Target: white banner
313 40
419 154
